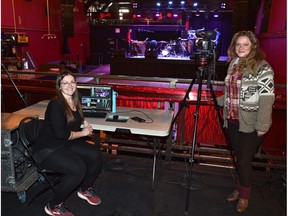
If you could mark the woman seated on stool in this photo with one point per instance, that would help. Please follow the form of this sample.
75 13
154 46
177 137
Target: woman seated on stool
61 147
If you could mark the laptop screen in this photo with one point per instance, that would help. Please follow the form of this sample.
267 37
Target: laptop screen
96 97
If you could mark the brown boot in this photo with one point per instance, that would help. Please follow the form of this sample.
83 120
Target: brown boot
242 205
233 196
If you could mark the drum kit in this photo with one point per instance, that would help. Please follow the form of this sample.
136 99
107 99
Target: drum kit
173 48
181 47
168 48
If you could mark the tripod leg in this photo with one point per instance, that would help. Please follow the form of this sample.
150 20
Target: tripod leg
183 102
196 115
11 80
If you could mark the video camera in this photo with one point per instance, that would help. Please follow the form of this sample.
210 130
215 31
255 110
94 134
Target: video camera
205 47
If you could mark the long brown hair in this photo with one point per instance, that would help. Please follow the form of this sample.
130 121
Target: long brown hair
75 97
254 57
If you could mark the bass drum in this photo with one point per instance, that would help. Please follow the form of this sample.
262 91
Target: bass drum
165 52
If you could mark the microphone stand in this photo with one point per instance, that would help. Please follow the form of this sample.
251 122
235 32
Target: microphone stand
11 80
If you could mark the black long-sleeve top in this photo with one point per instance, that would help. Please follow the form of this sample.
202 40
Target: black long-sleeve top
56 131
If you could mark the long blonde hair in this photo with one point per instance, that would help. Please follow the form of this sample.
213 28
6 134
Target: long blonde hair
75 97
254 57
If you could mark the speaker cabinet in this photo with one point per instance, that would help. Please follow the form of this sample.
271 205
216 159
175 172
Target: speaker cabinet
67 20
17 172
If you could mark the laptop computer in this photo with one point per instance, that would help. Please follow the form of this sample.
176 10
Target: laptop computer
96 100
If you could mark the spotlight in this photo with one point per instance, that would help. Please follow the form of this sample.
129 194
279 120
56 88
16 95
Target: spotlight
139 14
223 5
135 5
158 4
182 2
197 14
170 2
195 4
216 15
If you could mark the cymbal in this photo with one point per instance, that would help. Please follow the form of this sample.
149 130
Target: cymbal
162 42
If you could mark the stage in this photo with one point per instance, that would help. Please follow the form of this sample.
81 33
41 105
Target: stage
168 67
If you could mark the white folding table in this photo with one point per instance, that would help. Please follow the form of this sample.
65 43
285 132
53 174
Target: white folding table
157 124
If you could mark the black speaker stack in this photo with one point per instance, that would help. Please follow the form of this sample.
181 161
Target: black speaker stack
67 20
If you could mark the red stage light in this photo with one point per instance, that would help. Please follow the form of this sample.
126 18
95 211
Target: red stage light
169 15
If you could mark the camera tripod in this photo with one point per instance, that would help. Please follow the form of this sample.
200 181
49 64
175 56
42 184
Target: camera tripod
13 83
199 75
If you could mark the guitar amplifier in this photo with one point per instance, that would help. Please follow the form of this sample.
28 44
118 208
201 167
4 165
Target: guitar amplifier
17 171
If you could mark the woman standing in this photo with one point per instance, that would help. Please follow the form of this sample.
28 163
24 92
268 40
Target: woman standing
61 147
247 113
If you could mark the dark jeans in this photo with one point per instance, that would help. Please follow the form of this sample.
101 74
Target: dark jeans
79 165
128 48
245 146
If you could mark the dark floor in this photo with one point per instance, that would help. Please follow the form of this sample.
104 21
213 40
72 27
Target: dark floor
126 190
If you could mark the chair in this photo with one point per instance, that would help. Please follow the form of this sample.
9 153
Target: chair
29 129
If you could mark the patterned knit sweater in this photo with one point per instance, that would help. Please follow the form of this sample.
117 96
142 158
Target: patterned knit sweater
256 99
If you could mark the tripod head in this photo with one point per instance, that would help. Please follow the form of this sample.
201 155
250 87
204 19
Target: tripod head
205 49
203 58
